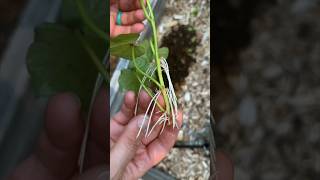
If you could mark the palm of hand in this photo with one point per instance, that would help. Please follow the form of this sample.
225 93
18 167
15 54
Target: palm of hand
131 157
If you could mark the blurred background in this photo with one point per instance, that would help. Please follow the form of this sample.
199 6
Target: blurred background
266 87
20 111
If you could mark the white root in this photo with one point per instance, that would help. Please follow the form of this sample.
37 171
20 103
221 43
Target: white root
161 119
151 113
164 125
150 71
146 114
171 94
173 105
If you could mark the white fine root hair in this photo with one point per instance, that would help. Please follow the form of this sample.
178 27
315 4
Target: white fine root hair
151 113
162 118
153 101
171 94
150 71
173 105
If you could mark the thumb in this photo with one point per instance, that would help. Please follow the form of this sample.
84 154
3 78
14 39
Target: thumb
126 147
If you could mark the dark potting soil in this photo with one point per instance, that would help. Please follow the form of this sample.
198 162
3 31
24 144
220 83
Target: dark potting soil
182 42
10 11
232 34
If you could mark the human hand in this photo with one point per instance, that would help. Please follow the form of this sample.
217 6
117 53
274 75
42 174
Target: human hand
56 157
131 158
131 18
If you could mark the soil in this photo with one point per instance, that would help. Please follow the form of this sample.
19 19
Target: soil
182 42
10 11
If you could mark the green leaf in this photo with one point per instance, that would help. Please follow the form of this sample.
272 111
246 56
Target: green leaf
163 52
57 62
123 40
128 80
121 46
142 62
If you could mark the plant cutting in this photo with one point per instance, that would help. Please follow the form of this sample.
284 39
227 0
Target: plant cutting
148 70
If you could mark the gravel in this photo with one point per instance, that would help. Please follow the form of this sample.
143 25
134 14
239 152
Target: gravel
195 92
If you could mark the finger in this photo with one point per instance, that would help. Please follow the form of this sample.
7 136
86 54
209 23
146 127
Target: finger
145 140
97 140
132 29
121 119
132 17
153 125
154 131
129 5
161 103
59 145
159 148
224 167
125 148
127 109
130 102
144 99
143 102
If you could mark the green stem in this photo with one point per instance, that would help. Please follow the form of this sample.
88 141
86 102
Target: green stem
155 41
94 58
152 48
146 14
89 22
149 93
142 84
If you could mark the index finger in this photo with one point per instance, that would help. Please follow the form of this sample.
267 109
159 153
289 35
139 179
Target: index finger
129 5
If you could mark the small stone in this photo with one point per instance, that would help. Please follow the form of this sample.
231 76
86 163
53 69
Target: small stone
178 17
180 136
194 84
187 96
204 63
172 23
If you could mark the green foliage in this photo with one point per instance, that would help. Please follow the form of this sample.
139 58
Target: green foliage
164 52
128 80
121 46
129 77
58 63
